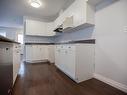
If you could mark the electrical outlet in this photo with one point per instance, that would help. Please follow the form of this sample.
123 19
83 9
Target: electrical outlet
125 29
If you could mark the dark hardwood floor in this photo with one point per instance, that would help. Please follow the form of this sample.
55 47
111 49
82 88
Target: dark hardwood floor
46 79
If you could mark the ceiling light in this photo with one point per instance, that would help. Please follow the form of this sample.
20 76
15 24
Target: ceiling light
35 3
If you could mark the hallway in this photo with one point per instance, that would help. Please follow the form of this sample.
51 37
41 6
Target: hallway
46 79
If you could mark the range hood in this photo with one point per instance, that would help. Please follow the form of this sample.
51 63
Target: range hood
59 29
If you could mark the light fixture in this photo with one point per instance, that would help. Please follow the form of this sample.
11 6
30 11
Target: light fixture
35 3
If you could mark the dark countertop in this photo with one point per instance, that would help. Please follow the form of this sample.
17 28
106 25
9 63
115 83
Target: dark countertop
4 39
39 43
88 41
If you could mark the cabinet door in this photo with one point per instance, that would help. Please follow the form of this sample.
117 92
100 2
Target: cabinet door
40 52
49 29
14 65
44 52
16 61
62 59
51 55
69 62
29 53
35 28
59 21
65 59
84 61
79 16
57 56
36 53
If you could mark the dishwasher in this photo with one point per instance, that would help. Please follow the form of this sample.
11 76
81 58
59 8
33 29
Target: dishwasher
6 68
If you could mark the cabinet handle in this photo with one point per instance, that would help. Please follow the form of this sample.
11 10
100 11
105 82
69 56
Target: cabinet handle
7 49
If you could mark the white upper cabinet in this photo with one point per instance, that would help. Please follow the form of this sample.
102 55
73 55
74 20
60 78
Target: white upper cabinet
50 28
68 22
82 13
35 28
38 28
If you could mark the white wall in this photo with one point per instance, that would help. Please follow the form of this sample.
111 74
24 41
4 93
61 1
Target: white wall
76 35
111 42
7 19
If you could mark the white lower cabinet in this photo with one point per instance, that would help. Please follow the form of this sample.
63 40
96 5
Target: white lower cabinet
75 60
51 54
36 53
16 60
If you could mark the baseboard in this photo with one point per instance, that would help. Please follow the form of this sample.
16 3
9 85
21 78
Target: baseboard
111 82
36 61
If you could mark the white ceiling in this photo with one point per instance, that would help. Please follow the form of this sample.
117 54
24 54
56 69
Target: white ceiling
12 11
21 7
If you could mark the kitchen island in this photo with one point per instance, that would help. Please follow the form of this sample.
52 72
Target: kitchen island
9 64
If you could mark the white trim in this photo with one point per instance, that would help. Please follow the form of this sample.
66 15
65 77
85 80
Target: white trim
36 61
111 82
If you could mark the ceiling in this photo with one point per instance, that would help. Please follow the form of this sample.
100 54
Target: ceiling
12 11
49 10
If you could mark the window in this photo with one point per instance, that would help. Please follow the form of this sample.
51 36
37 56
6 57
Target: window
3 34
20 38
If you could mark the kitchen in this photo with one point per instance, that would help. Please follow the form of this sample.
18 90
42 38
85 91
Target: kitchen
73 47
